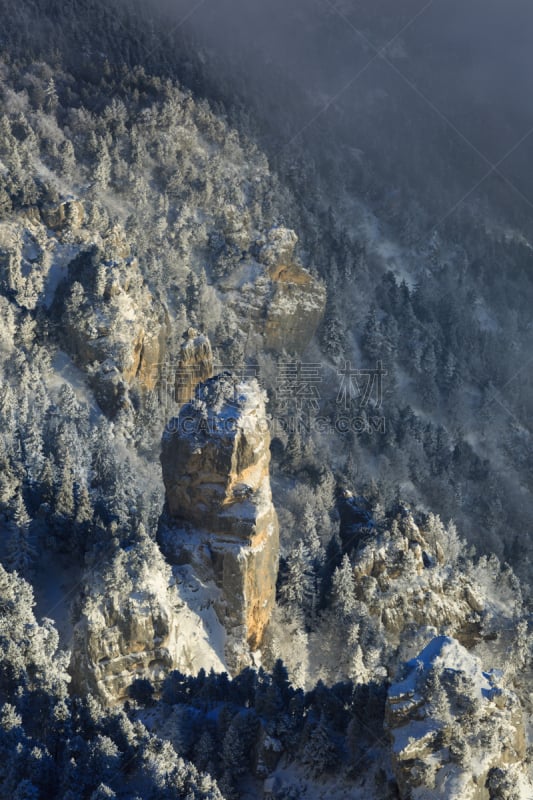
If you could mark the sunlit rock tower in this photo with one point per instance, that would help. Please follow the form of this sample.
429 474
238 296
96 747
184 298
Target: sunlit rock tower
215 458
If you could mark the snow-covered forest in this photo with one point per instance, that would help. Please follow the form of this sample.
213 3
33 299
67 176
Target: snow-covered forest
331 595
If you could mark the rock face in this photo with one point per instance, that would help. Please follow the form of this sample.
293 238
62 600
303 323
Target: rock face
453 726
99 304
402 576
195 365
112 326
275 298
295 308
215 458
65 214
137 620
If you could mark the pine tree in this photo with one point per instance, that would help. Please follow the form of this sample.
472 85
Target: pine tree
47 481
435 533
51 99
333 332
103 458
316 555
297 588
68 403
205 753
350 472
192 296
343 589
308 521
32 448
280 679
83 517
64 500
320 753
235 749
452 545
102 170
294 450
312 541
333 559
8 479
372 342
7 409
21 549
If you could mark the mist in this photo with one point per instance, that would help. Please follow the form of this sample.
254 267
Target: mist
447 83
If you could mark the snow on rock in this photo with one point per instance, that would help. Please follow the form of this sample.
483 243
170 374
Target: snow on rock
276 298
277 246
451 725
139 620
194 365
111 324
404 577
215 458
36 246
104 313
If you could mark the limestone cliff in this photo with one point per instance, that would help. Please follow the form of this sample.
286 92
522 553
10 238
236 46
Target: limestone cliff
112 325
100 308
454 728
295 308
194 365
215 458
275 298
137 620
406 580
65 214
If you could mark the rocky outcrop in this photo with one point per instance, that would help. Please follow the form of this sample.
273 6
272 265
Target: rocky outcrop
64 214
215 459
402 576
137 620
295 308
194 365
101 308
452 725
38 245
275 298
112 326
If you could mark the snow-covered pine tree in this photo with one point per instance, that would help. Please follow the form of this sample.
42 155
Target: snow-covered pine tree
343 598
333 332
64 500
320 754
372 341
298 586
21 548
